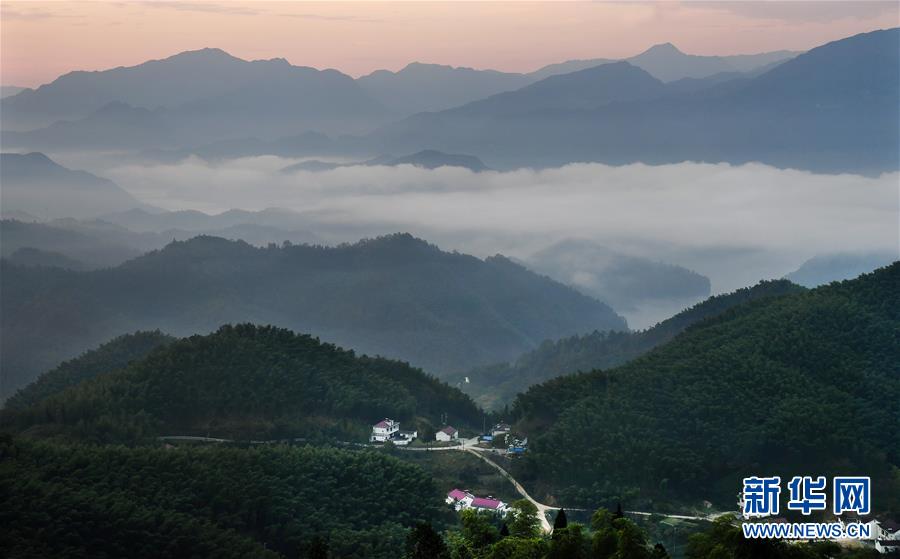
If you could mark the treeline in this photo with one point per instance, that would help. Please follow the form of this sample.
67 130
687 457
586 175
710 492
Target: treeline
242 382
607 536
111 356
497 385
807 382
112 501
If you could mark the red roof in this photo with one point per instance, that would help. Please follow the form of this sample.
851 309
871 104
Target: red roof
384 423
457 494
449 430
482 503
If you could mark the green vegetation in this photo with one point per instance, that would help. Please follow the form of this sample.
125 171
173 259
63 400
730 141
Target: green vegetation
109 357
807 382
461 470
394 296
725 541
607 536
243 382
112 501
497 385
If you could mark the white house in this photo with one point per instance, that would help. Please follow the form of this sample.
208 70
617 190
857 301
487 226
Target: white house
462 500
500 429
446 434
887 546
384 430
403 438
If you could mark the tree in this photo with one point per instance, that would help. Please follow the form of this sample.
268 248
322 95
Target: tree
619 513
504 530
525 522
318 548
423 542
477 529
568 542
561 520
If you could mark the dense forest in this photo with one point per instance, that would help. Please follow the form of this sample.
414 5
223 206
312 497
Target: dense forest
111 356
606 535
395 296
497 385
242 382
112 501
807 382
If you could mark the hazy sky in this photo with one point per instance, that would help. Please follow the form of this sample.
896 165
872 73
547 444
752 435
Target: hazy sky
41 40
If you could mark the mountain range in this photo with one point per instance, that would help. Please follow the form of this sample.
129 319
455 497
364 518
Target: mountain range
220 97
395 296
831 109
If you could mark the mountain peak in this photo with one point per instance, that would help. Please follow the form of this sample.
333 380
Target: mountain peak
206 54
663 48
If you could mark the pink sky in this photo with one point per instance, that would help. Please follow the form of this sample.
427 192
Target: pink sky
41 40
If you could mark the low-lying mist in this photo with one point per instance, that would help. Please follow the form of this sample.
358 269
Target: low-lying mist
734 224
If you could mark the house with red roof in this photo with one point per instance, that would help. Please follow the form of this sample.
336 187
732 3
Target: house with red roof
389 430
384 430
462 500
447 434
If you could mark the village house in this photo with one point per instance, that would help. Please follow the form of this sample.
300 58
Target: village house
384 430
463 500
389 430
446 434
500 429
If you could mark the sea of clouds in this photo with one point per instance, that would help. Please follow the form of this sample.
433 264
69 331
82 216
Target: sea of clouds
734 223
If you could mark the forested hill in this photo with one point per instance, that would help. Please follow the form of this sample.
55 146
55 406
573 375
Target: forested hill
494 386
395 296
244 382
113 501
808 382
113 355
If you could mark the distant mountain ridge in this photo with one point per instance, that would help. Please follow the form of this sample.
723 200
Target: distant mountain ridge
395 296
201 96
832 109
427 159
36 185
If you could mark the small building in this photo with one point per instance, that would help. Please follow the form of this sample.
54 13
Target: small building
887 546
446 434
462 500
403 438
384 430
490 505
500 429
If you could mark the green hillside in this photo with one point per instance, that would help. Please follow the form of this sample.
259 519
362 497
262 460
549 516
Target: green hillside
395 296
113 355
112 501
497 385
808 383
244 382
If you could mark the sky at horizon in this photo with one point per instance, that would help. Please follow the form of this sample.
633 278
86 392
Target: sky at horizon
40 41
